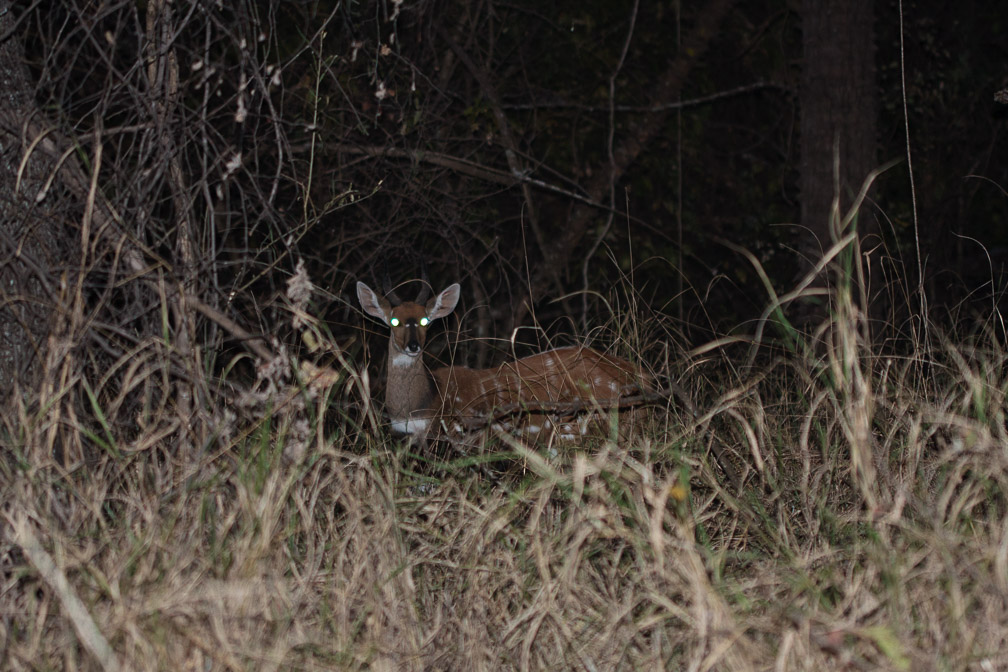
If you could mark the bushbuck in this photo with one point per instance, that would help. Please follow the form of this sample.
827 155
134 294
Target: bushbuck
548 391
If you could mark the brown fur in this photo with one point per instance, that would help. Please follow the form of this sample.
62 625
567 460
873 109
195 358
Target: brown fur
558 383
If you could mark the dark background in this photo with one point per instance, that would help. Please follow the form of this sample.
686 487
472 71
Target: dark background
622 186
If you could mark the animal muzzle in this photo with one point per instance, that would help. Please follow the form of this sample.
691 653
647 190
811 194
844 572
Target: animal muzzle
412 345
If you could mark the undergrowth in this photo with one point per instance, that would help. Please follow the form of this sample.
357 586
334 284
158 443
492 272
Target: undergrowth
867 529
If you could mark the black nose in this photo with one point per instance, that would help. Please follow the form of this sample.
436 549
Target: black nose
413 347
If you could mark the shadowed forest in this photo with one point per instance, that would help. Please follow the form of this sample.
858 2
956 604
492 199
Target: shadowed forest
790 219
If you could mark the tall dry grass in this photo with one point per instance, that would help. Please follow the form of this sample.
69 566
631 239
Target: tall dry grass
869 531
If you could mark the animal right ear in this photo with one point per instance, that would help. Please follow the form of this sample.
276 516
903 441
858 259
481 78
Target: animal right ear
444 303
373 305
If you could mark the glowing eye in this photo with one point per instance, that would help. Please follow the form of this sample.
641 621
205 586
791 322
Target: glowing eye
394 321
424 321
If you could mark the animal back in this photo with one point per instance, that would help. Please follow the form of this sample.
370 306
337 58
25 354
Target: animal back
576 374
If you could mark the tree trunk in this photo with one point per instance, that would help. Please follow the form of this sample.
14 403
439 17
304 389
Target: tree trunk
838 115
667 86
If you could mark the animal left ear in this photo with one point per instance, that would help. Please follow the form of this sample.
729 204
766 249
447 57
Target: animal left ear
444 303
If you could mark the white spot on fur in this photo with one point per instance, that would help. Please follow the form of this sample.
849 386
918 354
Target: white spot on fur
534 429
409 425
613 387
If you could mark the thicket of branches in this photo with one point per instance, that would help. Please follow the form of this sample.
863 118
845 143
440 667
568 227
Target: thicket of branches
204 150
192 467
187 158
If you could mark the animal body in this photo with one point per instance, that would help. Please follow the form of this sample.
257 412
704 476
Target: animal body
541 392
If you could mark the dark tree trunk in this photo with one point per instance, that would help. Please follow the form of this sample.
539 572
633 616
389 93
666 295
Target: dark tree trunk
838 115
559 255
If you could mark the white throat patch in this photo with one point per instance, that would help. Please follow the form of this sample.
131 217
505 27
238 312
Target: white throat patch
403 359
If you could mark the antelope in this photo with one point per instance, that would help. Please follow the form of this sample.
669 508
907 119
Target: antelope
419 400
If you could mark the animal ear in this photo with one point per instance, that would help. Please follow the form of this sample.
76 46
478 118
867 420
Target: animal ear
373 305
444 303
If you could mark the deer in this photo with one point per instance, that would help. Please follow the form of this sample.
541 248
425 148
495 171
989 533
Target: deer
527 395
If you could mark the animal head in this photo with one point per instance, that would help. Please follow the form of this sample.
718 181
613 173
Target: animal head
408 320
